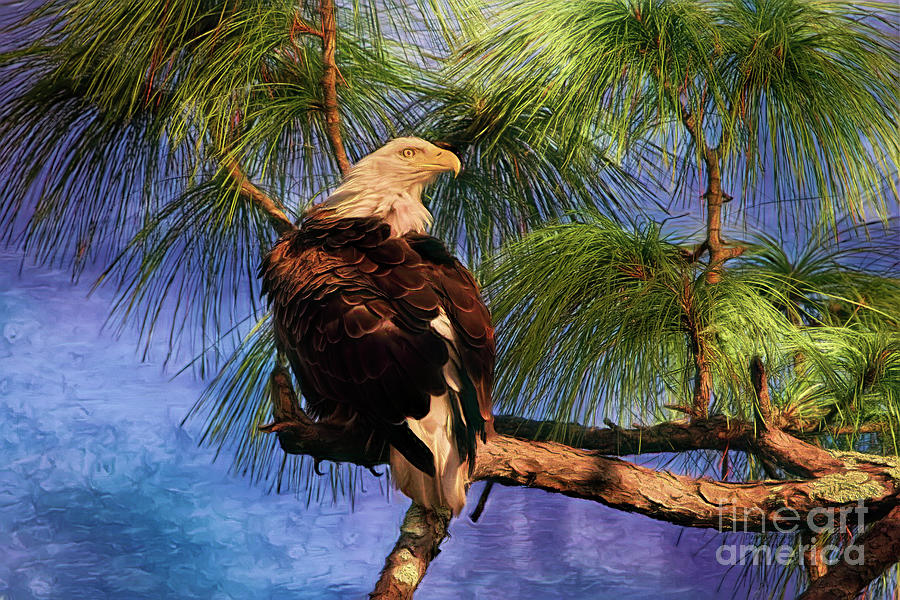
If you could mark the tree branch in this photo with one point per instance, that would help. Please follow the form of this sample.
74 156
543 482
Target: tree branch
715 196
717 432
880 549
714 433
700 353
658 494
771 443
795 455
677 498
330 73
300 26
329 85
279 220
837 481
760 382
421 534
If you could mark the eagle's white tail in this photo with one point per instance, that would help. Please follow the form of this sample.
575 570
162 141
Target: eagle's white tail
448 487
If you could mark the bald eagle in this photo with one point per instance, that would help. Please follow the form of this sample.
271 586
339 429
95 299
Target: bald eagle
386 332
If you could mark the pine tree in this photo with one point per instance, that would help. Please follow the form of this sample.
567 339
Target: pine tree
180 138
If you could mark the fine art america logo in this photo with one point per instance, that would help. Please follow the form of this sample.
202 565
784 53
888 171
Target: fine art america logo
831 523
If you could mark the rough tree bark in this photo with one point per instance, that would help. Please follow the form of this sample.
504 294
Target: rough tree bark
833 480
421 534
329 85
845 581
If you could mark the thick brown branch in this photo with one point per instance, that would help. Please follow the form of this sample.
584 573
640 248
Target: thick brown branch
676 498
794 455
714 433
588 474
329 85
845 580
328 442
771 443
421 534
325 441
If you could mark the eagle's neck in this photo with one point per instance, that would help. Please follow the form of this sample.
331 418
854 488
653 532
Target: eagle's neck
400 206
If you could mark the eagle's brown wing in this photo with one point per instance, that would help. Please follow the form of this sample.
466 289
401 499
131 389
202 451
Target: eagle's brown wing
471 320
353 311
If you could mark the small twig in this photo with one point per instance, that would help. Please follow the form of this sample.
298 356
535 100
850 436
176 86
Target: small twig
482 500
279 220
302 27
763 403
680 408
611 424
277 217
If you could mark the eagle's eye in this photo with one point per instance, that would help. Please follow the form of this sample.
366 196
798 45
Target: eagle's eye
408 153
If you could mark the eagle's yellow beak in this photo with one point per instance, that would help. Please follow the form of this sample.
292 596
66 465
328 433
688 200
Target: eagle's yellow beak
444 160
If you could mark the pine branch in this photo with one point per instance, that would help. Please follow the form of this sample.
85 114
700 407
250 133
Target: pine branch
717 432
792 454
327 32
761 388
589 474
714 195
421 534
714 433
700 353
279 220
329 85
880 549
661 495
301 26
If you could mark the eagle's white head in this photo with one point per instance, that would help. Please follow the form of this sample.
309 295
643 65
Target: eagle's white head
388 184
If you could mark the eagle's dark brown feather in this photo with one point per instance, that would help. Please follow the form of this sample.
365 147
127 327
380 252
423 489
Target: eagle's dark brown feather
353 308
